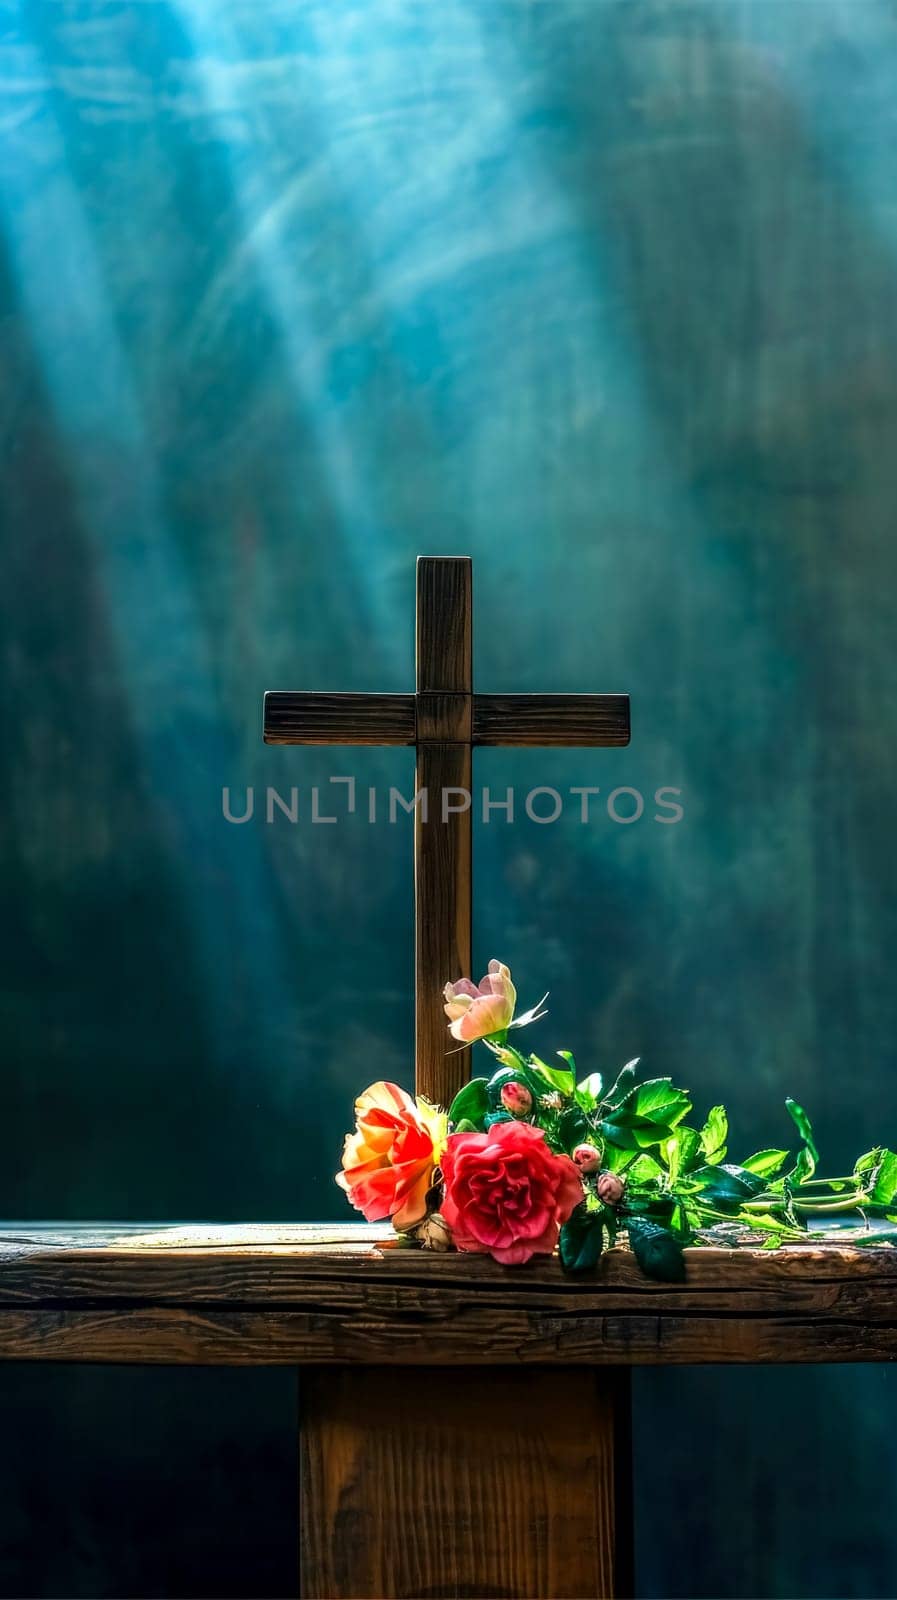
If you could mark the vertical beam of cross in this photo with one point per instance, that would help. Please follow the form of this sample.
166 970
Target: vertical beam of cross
444 719
442 844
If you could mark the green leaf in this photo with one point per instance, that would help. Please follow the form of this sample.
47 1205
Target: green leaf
465 1126
581 1241
726 1187
588 1091
470 1104
572 1128
808 1155
884 1190
618 1159
644 1136
564 1082
868 1161
644 1169
769 1222
624 1081
879 1167
656 1207
567 1055
657 1251
681 1151
647 1115
765 1163
656 1100
714 1134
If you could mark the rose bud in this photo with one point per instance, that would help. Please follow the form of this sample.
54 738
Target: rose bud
587 1158
516 1098
434 1232
610 1188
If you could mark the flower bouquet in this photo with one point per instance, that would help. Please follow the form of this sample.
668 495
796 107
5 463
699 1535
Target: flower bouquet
532 1158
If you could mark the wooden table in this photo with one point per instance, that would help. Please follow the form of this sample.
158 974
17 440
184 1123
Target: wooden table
431 1462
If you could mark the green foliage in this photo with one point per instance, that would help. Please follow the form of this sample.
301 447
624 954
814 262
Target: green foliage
588 1091
618 1160
646 1115
657 1250
879 1169
564 1082
714 1135
766 1163
726 1187
582 1240
470 1104
808 1155
683 1150
678 1185
623 1084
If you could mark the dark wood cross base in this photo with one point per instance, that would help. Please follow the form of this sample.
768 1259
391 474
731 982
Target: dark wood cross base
464 1427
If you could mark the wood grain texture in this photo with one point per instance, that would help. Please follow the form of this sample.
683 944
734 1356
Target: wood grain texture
442 842
442 917
292 716
269 1296
551 719
416 1485
443 718
444 639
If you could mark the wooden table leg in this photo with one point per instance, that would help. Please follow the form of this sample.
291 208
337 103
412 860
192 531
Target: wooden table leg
422 1483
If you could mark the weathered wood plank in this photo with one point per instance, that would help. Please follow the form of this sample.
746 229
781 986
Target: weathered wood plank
197 1336
410 1486
292 716
336 1295
551 719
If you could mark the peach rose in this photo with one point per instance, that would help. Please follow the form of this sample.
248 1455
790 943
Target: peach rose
477 1013
388 1162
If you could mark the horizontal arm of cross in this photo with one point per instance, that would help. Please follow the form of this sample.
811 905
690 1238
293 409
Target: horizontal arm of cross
297 717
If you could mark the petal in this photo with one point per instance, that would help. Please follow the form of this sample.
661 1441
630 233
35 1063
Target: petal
456 1008
514 1255
382 1096
414 1202
487 1014
452 991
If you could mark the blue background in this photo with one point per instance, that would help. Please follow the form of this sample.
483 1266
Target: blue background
605 295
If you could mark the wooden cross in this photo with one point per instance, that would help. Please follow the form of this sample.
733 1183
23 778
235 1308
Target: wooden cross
443 719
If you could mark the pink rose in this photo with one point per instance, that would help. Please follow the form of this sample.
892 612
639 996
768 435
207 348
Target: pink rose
476 1013
506 1192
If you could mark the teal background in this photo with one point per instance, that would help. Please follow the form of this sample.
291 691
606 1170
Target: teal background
605 295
